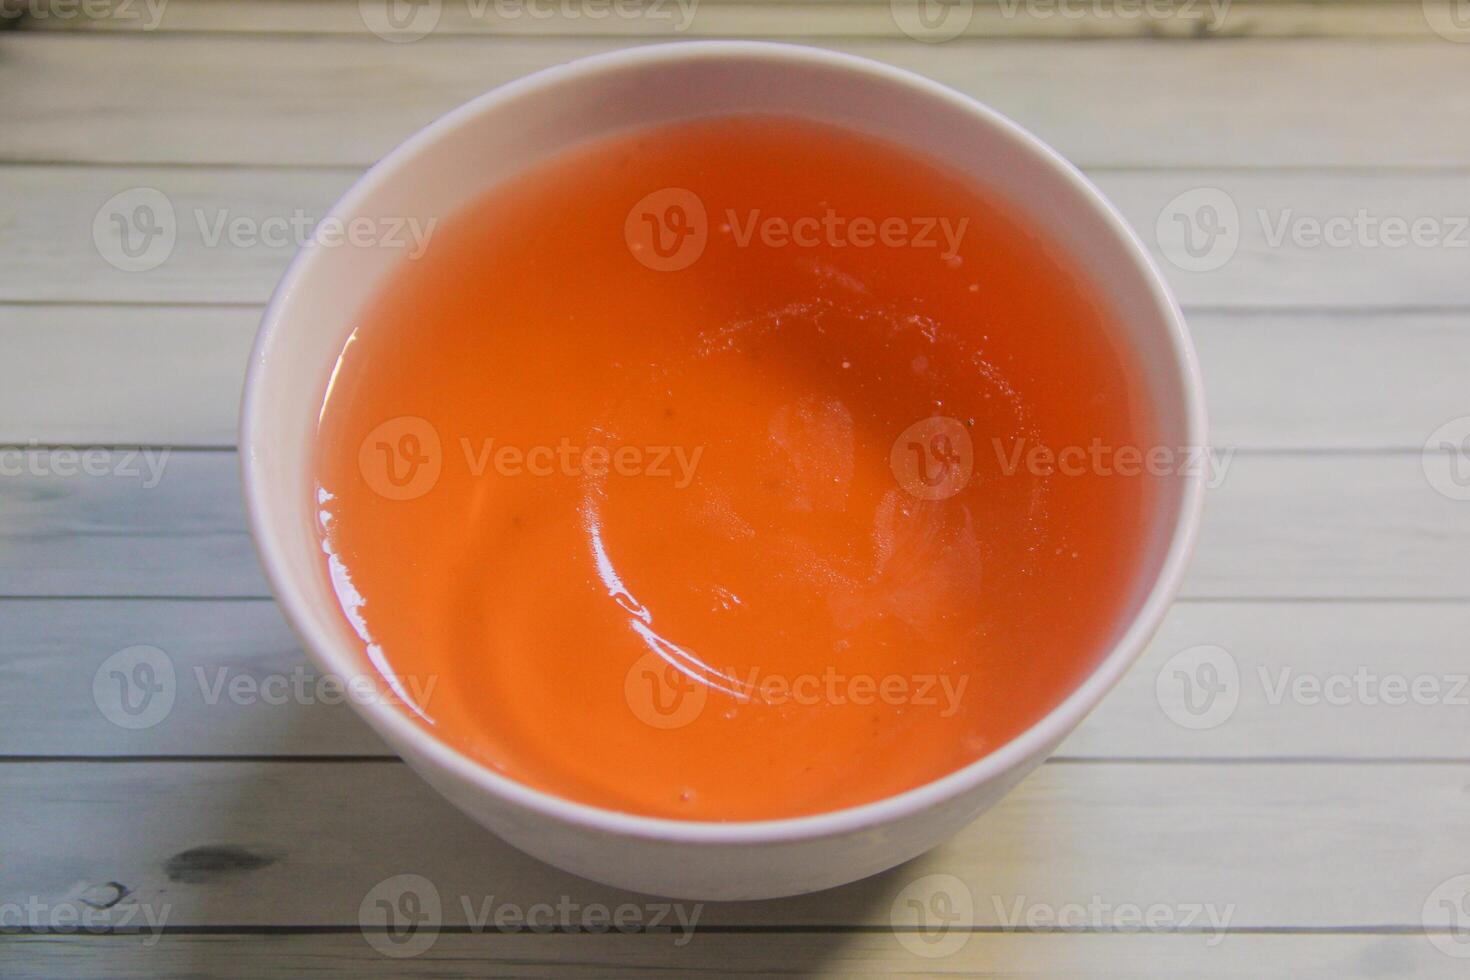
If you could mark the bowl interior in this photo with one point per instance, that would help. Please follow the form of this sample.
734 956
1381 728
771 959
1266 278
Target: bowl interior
507 131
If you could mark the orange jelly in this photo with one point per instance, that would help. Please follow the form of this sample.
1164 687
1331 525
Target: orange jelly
703 473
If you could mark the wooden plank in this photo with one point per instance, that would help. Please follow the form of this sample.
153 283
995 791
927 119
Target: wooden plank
1331 526
193 99
1279 527
155 522
243 844
1304 239
237 681
1342 381
839 955
225 235
56 217
124 375
171 376
1309 680
1325 680
722 18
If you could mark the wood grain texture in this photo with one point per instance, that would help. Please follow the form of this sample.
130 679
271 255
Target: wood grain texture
234 231
1342 381
1328 681
124 375
155 523
231 100
1364 526
988 19
993 956
240 684
302 844
1329 526
171 376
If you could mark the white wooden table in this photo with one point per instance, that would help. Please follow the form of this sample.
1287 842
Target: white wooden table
239 833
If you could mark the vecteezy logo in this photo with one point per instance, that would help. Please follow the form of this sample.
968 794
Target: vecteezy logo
135 230
400 21
934 458
933 916
402 458
667 230
932 21
1199 230
1446 459
1199 687
661 695
1450 19
1449 906
401 916
135 688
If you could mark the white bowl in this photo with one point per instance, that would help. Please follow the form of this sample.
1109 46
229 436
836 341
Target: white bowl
457 159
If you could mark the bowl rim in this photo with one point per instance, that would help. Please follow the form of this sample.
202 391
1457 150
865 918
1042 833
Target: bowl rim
1028 746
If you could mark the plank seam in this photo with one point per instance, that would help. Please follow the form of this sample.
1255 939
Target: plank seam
1387 929
450 35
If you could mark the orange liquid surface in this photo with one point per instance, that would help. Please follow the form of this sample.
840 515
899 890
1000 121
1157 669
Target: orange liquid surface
646 505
